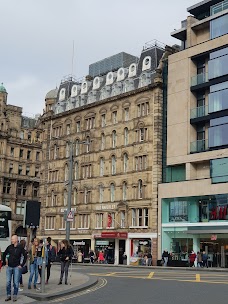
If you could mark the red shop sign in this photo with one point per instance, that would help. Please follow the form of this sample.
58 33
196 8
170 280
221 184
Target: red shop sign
114 235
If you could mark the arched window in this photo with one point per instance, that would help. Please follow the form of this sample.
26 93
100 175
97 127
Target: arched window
67 149
75 200
102 141
114 139
87 145
66 173
113 164
125 162
101 193
140 189
77 147
124 191
76 171
112 192
102 166
125 136
65 198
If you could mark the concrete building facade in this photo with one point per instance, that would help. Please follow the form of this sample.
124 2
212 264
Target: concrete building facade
193 199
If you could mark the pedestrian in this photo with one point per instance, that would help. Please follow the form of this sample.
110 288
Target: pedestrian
205 259
33 255
65 254
51 253
40 257
101 258
199 259
23 244
91 256
149 255
14 258
165 257
192 257
79 256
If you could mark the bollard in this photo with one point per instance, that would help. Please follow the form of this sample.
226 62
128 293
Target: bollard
43 268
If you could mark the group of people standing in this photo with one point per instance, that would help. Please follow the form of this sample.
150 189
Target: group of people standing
198 260
17 255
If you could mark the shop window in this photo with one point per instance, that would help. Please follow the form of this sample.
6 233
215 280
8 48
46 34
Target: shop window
219 170
175 173
178 211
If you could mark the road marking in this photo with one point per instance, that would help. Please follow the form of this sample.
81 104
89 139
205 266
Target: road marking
197 277
103 283
150 276
110 274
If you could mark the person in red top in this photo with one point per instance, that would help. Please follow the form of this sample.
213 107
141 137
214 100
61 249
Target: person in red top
101 257
192 258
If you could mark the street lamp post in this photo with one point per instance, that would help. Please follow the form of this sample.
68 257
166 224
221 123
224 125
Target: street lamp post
69 191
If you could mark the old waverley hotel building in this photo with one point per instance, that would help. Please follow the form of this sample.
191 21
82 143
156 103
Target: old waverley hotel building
113 119
193 198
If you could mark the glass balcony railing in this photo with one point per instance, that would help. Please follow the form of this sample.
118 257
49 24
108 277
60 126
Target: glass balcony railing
199 112
199 146
217 8
199 78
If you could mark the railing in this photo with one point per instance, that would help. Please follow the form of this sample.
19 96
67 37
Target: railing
217 8
199 146
199 112
199 78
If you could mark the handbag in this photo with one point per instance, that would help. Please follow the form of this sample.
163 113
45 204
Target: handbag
24 269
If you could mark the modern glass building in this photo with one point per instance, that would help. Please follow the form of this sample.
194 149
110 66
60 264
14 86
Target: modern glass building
193 197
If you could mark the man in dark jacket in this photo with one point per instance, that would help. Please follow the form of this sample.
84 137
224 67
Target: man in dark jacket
14 258
51 257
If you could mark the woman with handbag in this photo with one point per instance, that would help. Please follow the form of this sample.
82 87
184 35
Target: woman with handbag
33 257
65 254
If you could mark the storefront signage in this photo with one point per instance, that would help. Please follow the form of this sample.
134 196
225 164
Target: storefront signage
65 209
103 243
82 231
143 243
78 243
213 237
114 235
106 207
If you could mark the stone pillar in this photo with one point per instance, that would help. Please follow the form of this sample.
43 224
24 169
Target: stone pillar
128 251
93 244
116 251
154 250
196 243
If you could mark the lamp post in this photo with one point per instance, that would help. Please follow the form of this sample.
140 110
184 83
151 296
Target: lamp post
70 183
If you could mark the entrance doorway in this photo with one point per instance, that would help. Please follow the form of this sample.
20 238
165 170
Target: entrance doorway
217 252
122 244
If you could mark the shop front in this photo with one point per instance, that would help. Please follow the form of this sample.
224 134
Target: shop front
140 246
196 224
82 245
112 244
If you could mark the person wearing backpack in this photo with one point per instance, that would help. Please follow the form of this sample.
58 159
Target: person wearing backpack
51 254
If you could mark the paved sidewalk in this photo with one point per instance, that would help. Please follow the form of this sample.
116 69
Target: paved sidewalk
52 290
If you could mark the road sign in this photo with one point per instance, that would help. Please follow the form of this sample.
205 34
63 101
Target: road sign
70 216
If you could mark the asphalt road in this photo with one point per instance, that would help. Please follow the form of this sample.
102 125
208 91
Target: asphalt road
126 285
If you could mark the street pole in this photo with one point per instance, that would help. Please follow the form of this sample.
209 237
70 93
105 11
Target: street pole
69 191
43 268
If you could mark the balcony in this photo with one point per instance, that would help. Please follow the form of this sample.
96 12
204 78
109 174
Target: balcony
217 8
199 146
199 112
199 79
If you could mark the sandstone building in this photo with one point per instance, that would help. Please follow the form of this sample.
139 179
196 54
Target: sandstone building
113 122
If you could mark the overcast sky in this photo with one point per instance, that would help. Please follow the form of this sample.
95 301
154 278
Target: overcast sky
37 39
